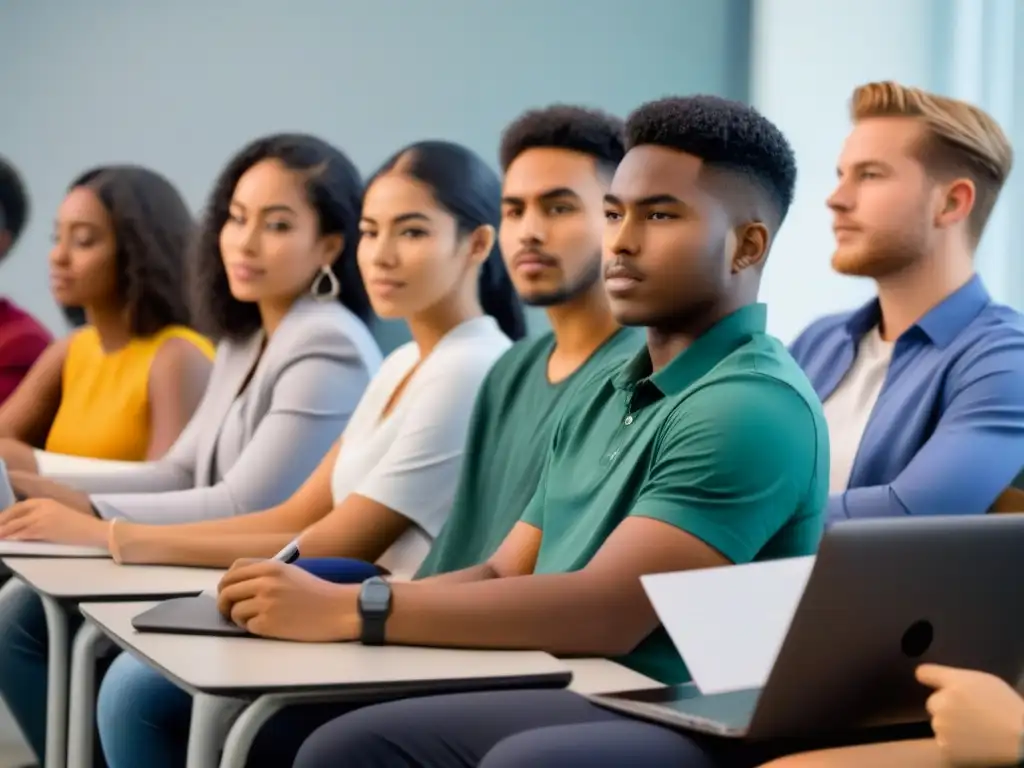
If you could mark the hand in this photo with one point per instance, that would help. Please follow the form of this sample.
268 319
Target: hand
28 485
17 455
49 520
977 718
271 599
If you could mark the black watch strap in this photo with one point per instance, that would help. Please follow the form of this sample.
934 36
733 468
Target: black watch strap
374 609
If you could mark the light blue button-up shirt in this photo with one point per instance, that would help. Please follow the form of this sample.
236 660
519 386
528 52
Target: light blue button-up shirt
946 435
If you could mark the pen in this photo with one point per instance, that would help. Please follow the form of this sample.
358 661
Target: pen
289 554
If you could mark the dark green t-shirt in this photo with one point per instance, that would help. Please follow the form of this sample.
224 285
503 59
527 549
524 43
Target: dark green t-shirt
514 415
727 442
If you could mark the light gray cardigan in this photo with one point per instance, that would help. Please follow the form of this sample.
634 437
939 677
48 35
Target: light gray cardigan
243 453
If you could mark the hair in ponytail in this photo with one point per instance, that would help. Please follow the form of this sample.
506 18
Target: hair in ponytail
464 185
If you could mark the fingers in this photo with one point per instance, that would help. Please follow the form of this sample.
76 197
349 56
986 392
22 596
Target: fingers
16 510
935 703
244 612
245 571
935 675
239 592
22 529
15 520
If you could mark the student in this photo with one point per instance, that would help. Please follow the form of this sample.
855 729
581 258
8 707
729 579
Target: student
276 273
428 256
557 165
707 448
923 386
977 719
126 385
22 337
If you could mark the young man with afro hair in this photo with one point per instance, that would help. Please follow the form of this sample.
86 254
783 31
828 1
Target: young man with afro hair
707 448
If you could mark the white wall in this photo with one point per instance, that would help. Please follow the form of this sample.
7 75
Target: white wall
807 57
181 86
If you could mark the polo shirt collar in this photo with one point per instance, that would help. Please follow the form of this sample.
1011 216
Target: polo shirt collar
941 324
699 358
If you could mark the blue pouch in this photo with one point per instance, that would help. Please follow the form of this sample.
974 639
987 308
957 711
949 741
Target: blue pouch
339 570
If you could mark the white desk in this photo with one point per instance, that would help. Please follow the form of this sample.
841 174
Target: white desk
46 549
591 677
64 580
270 675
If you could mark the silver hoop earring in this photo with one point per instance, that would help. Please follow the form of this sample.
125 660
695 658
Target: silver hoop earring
333 285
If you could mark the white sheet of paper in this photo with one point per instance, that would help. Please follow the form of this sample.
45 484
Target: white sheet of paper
728 623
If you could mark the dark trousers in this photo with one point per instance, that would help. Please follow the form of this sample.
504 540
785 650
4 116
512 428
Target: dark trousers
524 729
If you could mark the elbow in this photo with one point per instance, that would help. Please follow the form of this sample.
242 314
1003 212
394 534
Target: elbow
489 570
622 638
609 643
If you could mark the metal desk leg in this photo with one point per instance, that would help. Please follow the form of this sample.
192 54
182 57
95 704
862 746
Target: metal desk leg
56 683
245 728
211 719
248 724
90 645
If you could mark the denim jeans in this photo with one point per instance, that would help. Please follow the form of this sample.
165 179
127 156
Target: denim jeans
144 719
24 654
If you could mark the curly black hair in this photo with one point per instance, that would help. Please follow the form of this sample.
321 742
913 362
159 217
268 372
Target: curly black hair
334 189
725 134
152 230
564 126
14 204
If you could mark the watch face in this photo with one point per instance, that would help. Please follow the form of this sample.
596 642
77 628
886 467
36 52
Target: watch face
375 594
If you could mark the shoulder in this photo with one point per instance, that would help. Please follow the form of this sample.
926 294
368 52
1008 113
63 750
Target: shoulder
822 330
752 423
755 398
182 337
759 391
18 322
523 354
323 329
179 356
471 349
992 344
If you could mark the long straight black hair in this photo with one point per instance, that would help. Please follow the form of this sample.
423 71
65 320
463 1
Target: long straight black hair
470 191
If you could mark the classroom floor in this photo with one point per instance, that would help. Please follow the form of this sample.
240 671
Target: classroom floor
15 756
14 753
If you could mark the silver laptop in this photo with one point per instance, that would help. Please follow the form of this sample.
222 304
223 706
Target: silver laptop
7 497
883 596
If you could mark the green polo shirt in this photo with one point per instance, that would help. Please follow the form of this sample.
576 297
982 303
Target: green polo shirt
727 442
514 415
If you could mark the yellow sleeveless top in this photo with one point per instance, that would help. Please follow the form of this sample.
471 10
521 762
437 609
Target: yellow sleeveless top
104 404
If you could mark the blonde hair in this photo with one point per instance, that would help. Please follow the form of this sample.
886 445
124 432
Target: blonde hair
960 140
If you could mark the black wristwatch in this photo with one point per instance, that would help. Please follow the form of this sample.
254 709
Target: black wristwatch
374 608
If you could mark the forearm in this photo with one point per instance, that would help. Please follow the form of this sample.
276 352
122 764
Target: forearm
558 613
156 547
10 378
481 572
97 476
